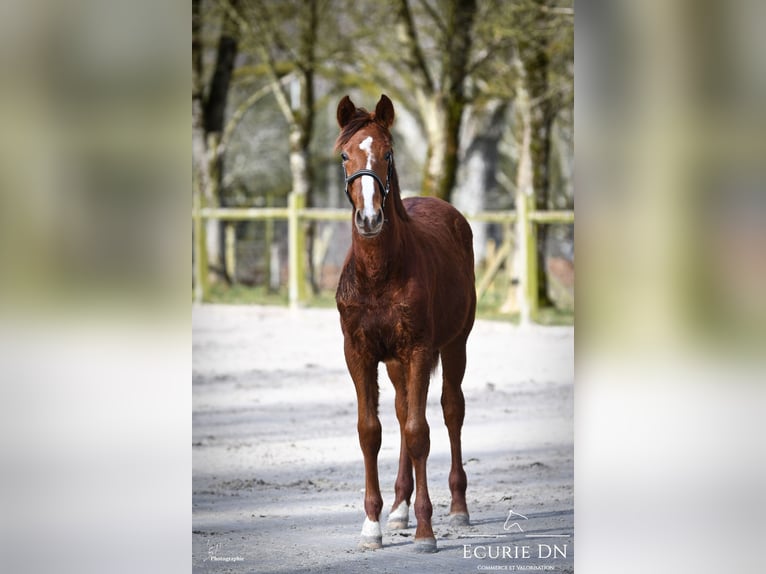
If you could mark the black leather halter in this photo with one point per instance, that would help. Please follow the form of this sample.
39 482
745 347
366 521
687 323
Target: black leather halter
384 189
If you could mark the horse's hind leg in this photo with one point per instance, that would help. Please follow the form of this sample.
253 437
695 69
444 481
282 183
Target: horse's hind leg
399 515
453 405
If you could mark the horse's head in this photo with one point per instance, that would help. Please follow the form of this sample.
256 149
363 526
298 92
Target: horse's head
368 161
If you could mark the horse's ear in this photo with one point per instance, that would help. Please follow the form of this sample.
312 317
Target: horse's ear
346 109
384 111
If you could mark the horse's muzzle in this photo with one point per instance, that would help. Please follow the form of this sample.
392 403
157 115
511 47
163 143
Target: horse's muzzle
368 226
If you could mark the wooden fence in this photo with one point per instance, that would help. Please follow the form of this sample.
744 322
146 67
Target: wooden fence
524 217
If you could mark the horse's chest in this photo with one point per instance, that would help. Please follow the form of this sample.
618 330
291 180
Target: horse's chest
381 328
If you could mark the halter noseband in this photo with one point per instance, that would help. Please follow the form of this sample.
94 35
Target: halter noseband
384 189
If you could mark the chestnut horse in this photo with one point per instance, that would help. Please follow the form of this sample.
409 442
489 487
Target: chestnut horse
406 296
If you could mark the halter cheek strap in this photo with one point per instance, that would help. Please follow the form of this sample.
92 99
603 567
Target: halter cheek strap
384 188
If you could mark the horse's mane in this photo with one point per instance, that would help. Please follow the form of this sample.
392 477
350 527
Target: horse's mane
359 120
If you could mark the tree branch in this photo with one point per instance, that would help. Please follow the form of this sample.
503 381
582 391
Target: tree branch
271 66
408 35
242 109
486 55
457 46
270 27
244 27
276 87
431 11
215 104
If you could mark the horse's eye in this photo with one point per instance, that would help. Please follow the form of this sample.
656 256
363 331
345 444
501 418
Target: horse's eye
388 155
344 157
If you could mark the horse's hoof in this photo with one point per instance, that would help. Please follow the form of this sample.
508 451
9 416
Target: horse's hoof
459 519
425 545
371 542
397 524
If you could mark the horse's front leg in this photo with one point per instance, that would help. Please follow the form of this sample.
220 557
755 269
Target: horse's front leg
364 372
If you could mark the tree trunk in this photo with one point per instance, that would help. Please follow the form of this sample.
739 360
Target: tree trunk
442 123
208 113
304 176
434 120
300 162
540 150
297 105
301 172
525 191
533 67
440 103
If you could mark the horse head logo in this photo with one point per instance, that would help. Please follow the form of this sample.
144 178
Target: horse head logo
512 522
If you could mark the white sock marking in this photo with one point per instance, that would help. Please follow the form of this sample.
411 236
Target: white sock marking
371 529
368 184
401 512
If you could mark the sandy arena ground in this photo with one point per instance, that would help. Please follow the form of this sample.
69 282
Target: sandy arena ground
277 470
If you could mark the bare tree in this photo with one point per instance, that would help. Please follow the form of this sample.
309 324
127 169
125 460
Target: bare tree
284 39
525 55
438 83
418 52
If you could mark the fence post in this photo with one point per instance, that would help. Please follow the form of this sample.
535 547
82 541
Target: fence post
231 251
296 242
271 269
532 282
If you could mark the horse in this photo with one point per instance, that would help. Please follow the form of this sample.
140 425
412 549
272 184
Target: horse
406 297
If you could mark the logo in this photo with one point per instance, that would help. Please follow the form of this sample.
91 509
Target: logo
523 549
510 525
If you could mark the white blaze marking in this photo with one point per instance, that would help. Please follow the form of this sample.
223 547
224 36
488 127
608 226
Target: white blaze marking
372 529
368 184
401 513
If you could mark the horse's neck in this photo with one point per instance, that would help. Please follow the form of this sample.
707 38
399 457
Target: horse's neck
376 259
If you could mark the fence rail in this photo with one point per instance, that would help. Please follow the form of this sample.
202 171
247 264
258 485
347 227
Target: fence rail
526 220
